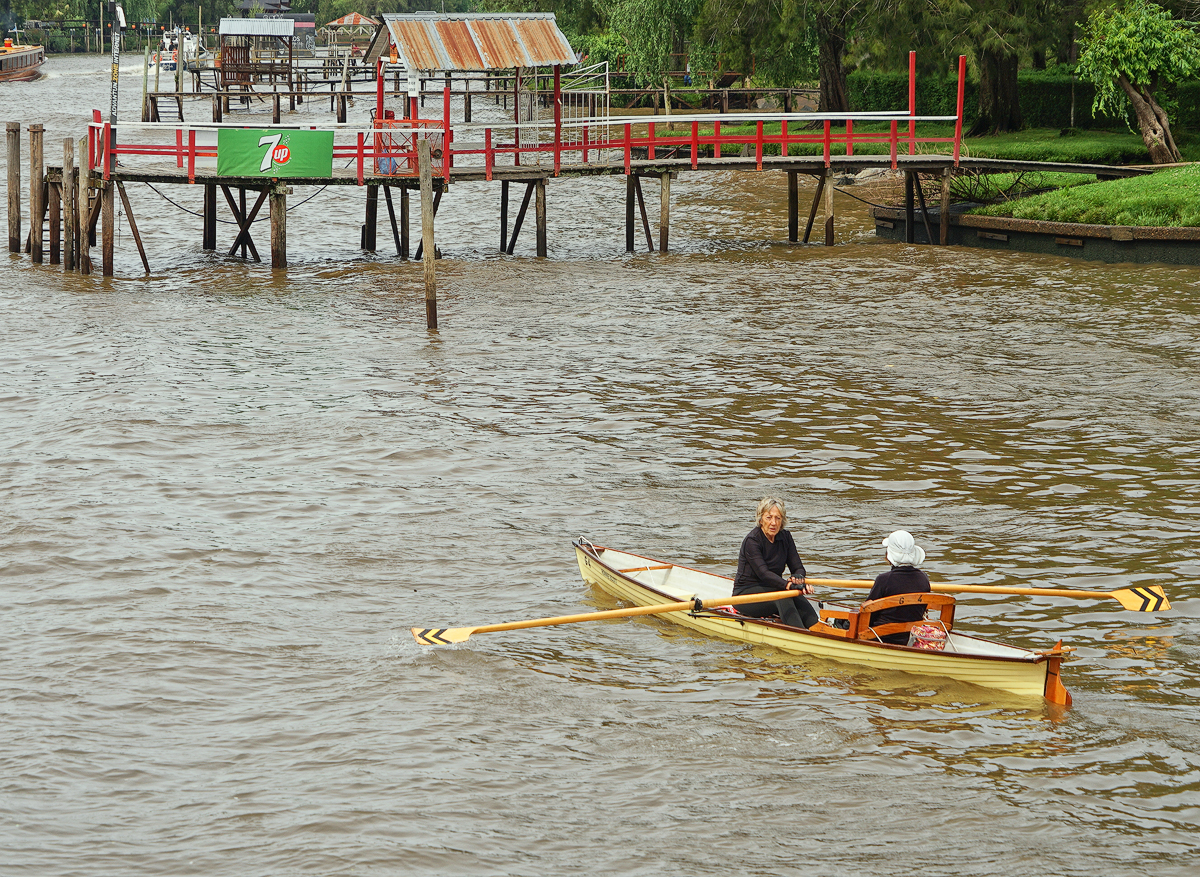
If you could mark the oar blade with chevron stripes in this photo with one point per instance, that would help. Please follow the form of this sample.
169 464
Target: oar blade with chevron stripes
1143 599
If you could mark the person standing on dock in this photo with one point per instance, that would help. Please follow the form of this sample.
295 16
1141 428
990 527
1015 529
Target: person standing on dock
765 552
905 557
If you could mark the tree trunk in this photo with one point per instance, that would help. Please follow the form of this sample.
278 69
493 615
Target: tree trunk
831 42
999 105
1152 120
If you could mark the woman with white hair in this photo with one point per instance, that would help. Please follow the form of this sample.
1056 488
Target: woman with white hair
905 557
765 552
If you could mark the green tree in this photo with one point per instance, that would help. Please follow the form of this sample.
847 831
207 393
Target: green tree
652 30
1129 53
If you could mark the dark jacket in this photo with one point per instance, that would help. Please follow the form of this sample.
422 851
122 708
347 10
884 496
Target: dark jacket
761 562
899 580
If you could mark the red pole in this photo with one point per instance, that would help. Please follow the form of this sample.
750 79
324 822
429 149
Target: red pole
379 94
849 137
360 158
912 102
758 144
825 152
962 83
488 157
107 152
557 119
894 138
628 135
650 148
192 155
783 138
695 145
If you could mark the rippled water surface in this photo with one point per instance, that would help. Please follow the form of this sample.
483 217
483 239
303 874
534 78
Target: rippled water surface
228 493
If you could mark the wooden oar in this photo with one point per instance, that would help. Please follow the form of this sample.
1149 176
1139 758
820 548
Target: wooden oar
1140 599
437 636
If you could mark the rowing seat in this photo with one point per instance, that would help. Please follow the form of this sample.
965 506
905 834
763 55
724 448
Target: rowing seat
864 630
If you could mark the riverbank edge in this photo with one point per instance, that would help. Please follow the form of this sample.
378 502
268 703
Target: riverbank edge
1102 243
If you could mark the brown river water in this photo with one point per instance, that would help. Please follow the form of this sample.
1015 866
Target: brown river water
228 494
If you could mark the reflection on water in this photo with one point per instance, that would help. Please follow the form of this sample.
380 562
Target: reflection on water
228 493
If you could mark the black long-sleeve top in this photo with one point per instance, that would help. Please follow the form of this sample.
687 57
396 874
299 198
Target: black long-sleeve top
899 580
761 562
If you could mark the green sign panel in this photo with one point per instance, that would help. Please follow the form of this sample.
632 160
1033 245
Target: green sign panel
274 152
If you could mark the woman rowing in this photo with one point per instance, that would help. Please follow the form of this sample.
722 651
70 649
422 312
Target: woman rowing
766 551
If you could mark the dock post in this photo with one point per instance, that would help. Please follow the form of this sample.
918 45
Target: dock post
829 207
70 222
53 193
431 320
664 210
405 226
83 257
793 206
910 219
209 233
275 108
37 206
944 216
630 182
107 227
14 187
372 216
504 216
278 224
539 212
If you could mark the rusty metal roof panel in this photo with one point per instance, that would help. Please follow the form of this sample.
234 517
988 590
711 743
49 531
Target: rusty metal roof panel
476 41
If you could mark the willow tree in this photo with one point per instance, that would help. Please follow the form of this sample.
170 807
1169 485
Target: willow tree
1129 53
652 29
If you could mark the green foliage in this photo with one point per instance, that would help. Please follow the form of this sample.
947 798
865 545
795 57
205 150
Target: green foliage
1166 198
1139 42
773 39
652 29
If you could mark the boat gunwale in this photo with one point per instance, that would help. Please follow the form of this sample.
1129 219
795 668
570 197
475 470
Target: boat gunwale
1031 658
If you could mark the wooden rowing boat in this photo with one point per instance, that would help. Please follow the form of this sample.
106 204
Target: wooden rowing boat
643 581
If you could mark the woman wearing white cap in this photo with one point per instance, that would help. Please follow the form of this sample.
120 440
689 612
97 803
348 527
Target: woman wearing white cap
904 577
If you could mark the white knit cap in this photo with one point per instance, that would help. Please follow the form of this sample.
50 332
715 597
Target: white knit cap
902 549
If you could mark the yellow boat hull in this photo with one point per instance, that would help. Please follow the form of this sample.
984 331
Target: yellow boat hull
642 581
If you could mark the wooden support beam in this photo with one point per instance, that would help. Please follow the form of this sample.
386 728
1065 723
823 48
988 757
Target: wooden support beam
133 226
664 210
243 238
371 219
14 186
539 212
278 192
829 208
209 233
512 241
910 220
793 206
108 228
37 205
504 216
812 212
944 216
426 176
405 224
387 198
70 220
637 187
630 197
437 202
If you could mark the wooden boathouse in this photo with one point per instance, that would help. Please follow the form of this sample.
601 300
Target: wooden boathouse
560 125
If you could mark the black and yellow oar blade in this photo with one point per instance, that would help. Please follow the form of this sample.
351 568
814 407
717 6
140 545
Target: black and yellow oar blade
1143 599
441 636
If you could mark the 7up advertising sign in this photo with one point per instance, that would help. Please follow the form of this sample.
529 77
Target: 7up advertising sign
270 153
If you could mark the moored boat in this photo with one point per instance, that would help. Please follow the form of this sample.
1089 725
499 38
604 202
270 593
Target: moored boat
19 63
643 581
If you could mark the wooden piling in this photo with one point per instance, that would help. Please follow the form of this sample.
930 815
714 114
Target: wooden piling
14 187
405 224
793 206
924 208
630 182
387 198
83 211
53 194
37 206
944 216
540 216
910 231
209 232
371 219
504 216
275 108
108 227
829 208
426 174
70 222
664 210
279 192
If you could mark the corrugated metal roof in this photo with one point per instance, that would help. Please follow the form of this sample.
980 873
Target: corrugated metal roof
473 41
257 27
353 19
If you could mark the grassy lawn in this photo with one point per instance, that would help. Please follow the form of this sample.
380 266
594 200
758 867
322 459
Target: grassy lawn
1166 198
